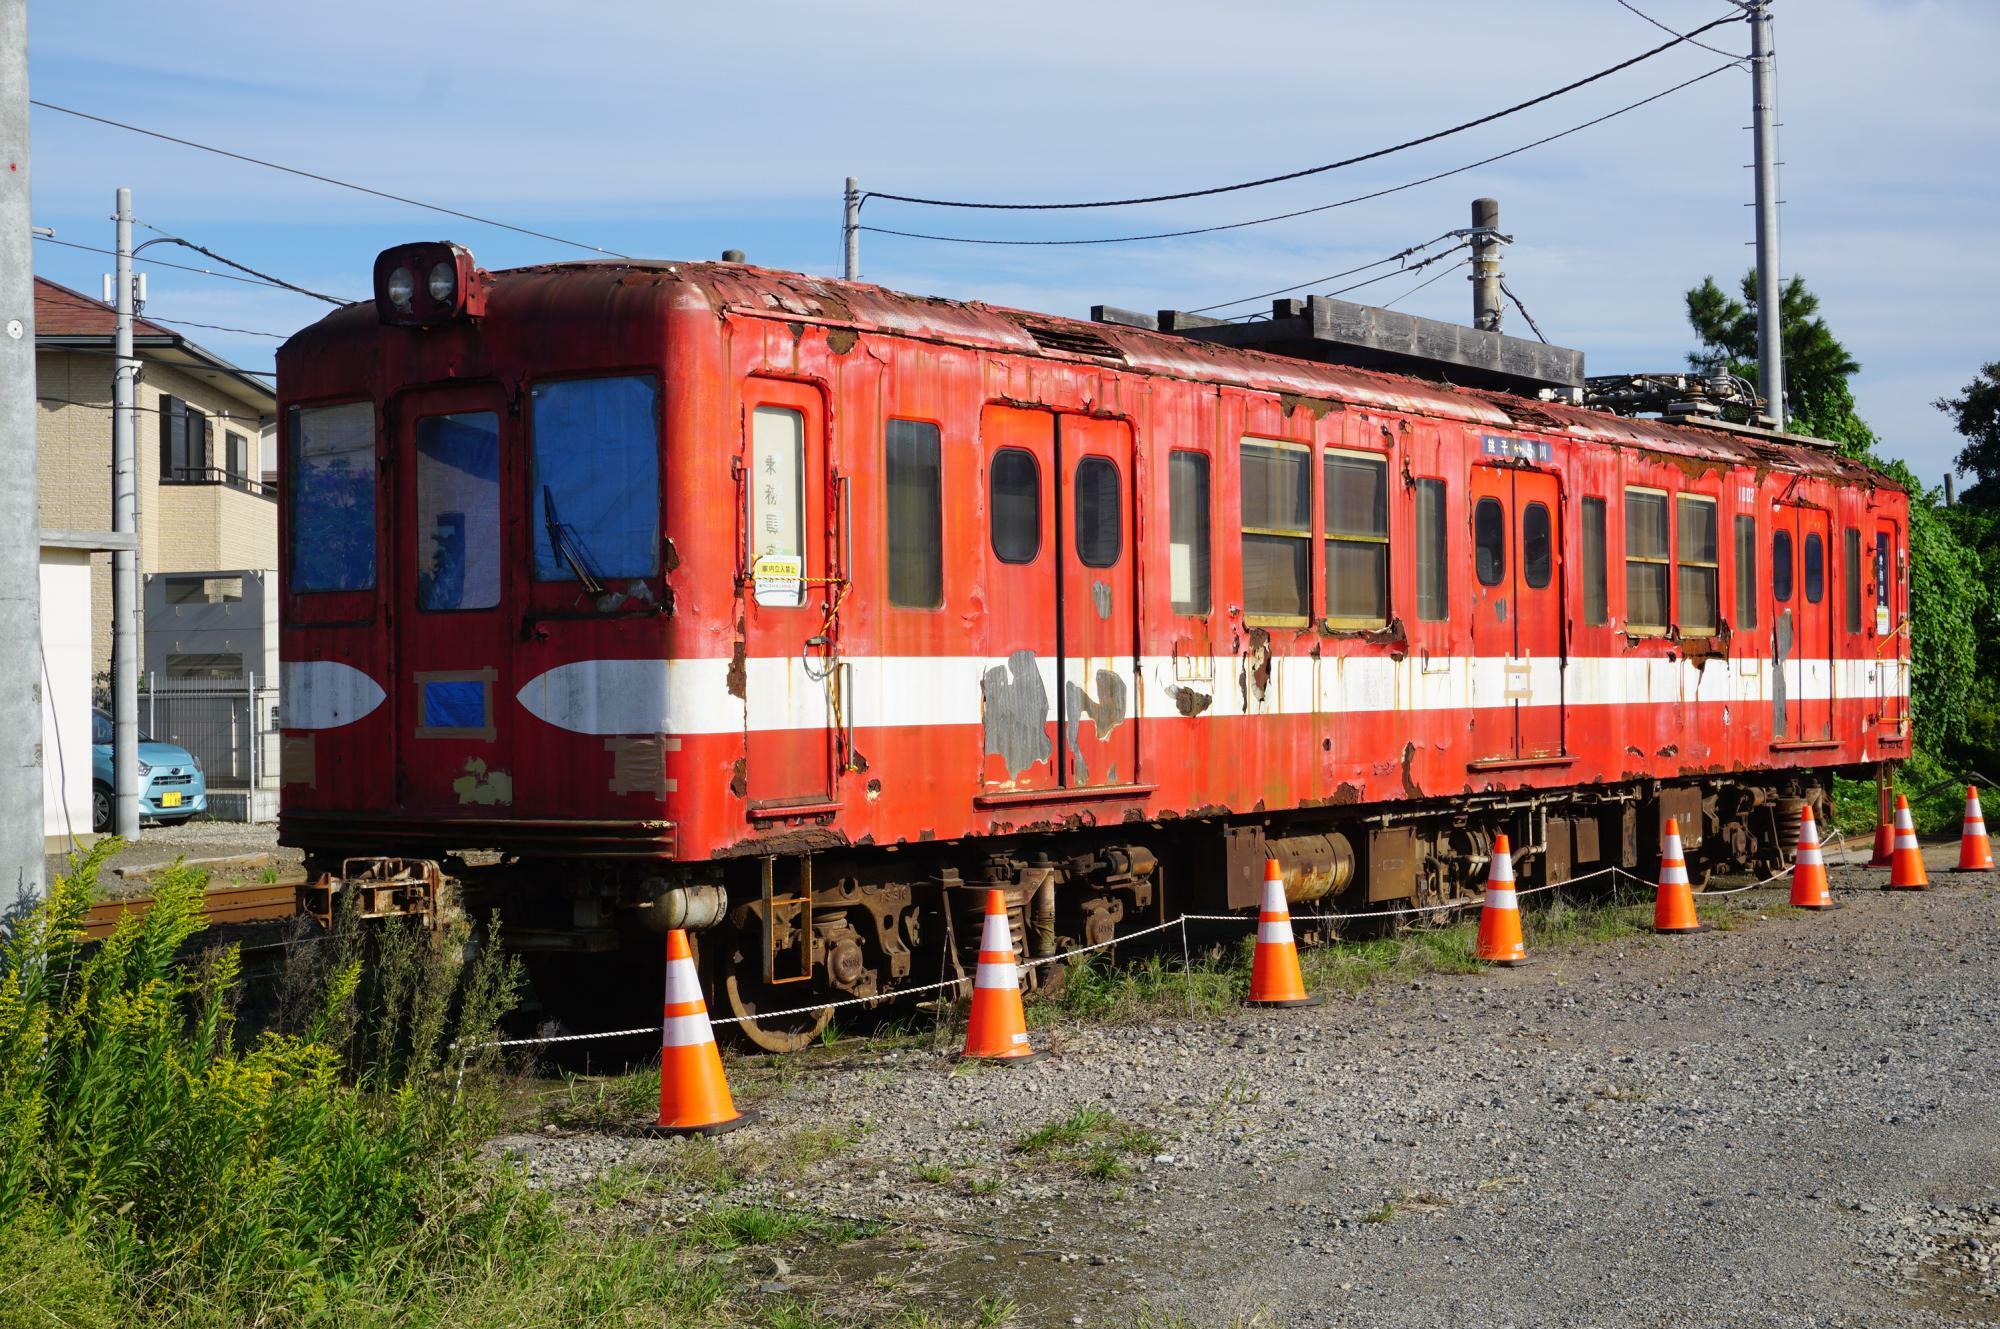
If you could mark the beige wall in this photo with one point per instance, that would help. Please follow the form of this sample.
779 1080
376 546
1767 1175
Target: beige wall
182 528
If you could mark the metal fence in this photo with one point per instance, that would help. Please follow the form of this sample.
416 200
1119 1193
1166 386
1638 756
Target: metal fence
231 725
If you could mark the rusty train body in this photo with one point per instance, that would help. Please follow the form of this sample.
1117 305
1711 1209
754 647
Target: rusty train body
631 593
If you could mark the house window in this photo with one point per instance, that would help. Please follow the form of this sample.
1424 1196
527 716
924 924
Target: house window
1100 533
1698 570
1277 529
1851 579
1433 576
1489 541
458 511
1357 539
1746 573
916 515
238 457
1596 574
1187 532
1781 566
198 590
594 478
185 434
1815 561
1646 567
333 497
1014 499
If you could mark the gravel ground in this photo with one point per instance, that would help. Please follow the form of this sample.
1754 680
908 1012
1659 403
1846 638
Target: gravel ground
196 841
1792 1122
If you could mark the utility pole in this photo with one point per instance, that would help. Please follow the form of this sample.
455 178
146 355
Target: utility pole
1764 134
124 562
850 231
1486 242
21 843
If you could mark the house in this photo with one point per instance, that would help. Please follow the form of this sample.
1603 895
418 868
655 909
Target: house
204 442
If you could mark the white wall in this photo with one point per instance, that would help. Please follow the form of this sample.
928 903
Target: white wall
66 629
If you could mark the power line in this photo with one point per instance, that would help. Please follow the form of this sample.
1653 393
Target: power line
217 327
1323 207
1420 286
1676 31
1315 170
1509 292
1334 276
328 179
240 267
182 267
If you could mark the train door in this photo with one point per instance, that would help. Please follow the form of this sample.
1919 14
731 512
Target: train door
1891 645
790 738
1021 559
453 637
1517 627
1802 628
1098 603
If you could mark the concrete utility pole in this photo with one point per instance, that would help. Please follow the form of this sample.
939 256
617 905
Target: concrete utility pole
1764 134
1486 273
850 231
124 562
21 844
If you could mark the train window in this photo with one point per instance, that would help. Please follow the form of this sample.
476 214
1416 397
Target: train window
1746 572
1645 560
1596 576
1698 571
458 511
777 502
1489 541
1014 495
333 497
916 515
1356 495
1187 532
1537 546
1433 573
1100 533
1277 529
1881 583
1851 579
1815 561
1781 567
595 478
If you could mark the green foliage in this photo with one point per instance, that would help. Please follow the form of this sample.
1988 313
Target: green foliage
1975 413
1817 366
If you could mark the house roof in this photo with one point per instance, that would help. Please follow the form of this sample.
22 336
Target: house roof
68 318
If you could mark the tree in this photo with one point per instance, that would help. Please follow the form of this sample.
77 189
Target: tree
1817 366
1975 413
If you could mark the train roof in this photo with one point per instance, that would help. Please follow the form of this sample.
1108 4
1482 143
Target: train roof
590 288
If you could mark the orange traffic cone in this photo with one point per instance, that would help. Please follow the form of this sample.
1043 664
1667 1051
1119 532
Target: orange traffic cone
1885 843
694 1095
1275 979
997 1028
1500 917
1975 852
1809 888
1906 872
1673 903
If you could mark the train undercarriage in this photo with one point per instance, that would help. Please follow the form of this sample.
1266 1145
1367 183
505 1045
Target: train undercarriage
822 923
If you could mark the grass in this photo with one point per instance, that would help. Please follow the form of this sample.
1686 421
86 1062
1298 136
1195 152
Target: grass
1093 1141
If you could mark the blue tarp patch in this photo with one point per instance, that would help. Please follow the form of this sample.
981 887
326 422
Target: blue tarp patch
455 705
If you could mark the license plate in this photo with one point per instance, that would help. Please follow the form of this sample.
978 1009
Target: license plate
171 799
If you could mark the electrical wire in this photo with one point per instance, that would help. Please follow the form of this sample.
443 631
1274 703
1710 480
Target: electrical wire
1418 266
1322 207
1676 31
1311 170
182 267
1334 276
328 179
1419 286
240 267
1508 291
217 327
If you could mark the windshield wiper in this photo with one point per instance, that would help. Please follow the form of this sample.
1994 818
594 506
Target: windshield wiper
563 539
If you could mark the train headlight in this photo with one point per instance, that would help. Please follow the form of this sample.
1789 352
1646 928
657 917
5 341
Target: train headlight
400 287
429 283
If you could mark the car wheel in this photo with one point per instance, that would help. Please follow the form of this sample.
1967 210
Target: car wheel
100 808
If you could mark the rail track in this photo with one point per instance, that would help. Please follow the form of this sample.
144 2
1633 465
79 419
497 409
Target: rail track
221 905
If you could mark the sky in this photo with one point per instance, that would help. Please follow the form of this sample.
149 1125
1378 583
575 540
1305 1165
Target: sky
679 131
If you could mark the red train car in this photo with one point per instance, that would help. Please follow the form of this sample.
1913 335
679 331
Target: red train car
782 606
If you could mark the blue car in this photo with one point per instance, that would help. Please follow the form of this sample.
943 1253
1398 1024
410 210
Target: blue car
171 785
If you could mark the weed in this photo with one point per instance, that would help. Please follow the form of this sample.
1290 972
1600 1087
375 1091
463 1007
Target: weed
992 1312
937 1174
1386 1213
726 1227
983 1185
1092 1140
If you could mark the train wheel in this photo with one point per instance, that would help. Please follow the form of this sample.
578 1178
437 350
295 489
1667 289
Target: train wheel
748 997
